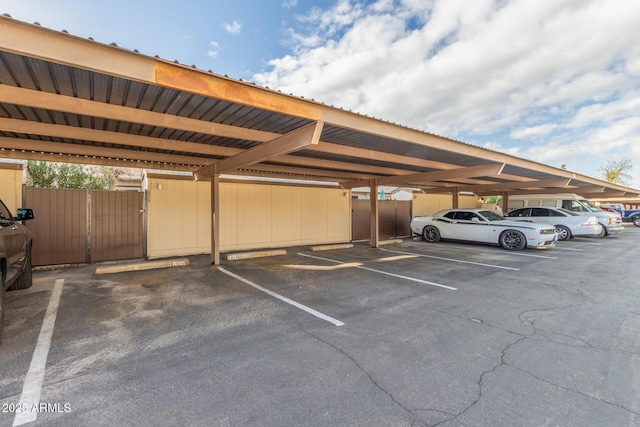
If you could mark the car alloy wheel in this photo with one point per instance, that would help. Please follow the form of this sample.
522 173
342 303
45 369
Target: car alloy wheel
512 240
431 234
563 232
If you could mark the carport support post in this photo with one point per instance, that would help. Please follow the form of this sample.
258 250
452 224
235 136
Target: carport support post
455 198
373 191
215 219
505 202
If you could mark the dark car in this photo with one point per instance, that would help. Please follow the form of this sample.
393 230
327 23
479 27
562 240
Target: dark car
15 253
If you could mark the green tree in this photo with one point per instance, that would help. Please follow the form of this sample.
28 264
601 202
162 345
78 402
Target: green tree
617 171
66 175
42 174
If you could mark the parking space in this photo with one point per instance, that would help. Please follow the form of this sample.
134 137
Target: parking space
408 334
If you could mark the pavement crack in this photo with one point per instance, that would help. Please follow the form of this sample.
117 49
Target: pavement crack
416 420
480 382
631 411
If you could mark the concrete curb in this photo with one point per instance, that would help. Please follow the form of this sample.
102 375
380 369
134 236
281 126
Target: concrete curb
389 242
330 247
248 255
182 262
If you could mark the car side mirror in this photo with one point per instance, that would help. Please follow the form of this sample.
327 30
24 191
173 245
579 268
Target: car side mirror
475 219
24 214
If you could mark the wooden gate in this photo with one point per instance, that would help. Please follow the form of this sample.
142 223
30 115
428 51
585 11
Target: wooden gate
116 225
394 218
78 226
59 229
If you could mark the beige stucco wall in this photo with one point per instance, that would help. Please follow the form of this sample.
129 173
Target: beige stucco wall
11 187
251 216
427 204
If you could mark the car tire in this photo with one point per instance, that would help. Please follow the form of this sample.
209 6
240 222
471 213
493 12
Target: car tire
25 280
603 232
431 234
636 220
513 240
563 232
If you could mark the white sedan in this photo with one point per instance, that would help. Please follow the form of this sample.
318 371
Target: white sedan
567 224
479 225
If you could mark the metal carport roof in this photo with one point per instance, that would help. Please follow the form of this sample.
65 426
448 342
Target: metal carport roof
65 98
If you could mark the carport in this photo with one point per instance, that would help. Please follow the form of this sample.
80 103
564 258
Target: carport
68 99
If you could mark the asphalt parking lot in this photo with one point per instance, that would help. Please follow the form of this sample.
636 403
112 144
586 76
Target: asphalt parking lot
410 334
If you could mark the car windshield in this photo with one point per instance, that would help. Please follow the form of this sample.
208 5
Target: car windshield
492 216
5 215
590 206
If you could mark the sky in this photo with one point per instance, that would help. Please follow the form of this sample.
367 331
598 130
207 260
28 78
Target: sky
553 81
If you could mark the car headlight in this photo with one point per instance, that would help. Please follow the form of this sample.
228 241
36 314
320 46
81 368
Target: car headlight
547 231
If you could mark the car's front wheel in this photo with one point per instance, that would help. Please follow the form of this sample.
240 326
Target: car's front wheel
636 220
25 280
563 232
512 240
431 234
603 231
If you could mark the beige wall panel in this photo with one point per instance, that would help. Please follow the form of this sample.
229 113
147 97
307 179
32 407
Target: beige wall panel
315 211
252 216
203 223
469 202
427 204
228 215
286 220
11 189
339 213
175 218
326 216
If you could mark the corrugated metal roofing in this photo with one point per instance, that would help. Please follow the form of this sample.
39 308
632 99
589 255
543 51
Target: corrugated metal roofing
352 147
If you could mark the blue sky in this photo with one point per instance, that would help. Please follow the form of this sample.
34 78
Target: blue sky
555 81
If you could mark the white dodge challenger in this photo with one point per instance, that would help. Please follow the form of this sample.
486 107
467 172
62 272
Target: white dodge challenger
483 226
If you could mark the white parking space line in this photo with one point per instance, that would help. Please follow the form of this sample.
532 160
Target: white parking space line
283 298
559 248
453 260
32 387
476 249
413 279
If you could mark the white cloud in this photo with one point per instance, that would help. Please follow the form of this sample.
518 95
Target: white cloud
289 4
234 28
533 131
213 50
562 78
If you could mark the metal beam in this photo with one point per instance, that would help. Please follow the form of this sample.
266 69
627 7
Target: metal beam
292 141
374 214
73 132
291 171
215 220
85 107
103 152
604 194
35 41
90 160
499 187
408 179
